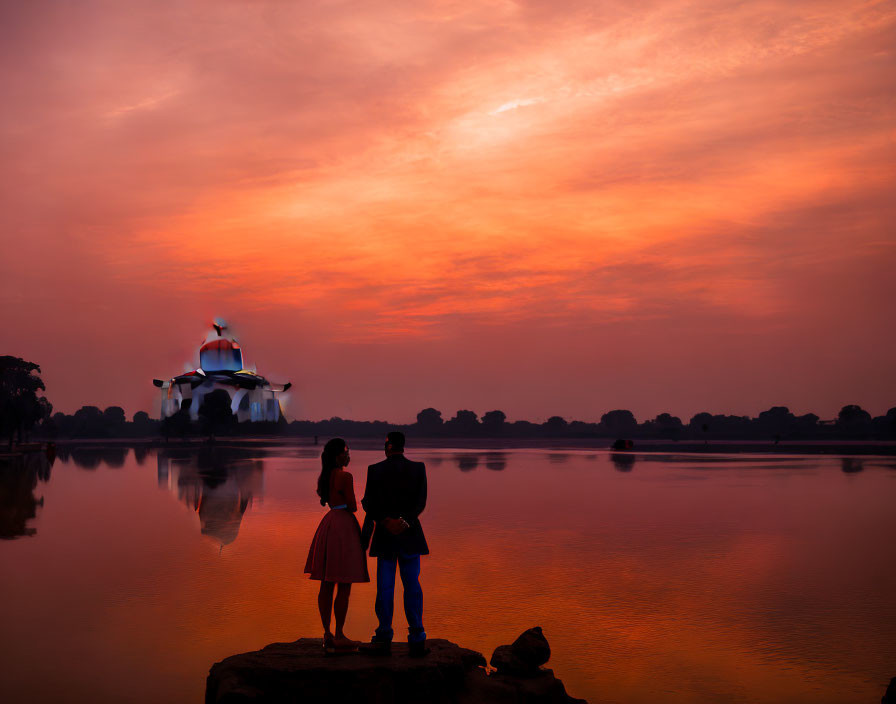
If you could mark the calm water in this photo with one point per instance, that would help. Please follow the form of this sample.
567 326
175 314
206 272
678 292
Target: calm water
655 578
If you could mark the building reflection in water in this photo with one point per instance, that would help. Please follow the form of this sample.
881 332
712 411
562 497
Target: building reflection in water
18 504
219 484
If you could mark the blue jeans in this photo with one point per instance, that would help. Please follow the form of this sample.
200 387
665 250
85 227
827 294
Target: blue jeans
409 569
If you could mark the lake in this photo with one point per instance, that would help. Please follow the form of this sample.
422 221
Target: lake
656 577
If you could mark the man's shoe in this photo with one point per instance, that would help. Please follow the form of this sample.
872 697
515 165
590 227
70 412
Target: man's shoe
418 649
376 647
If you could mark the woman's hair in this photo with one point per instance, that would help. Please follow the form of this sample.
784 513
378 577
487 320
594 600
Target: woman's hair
328 463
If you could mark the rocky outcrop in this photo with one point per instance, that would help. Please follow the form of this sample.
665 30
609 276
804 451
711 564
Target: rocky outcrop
300 672
524 657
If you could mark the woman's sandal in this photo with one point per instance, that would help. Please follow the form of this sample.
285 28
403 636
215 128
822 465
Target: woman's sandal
329 644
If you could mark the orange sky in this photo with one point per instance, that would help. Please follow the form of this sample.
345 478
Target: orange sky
547 208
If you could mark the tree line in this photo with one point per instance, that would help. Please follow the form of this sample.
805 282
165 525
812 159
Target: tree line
777 423
24 409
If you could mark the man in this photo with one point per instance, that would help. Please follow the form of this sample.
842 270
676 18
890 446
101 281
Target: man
394 498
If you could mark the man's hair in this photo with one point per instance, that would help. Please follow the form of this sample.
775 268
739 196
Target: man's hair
396 440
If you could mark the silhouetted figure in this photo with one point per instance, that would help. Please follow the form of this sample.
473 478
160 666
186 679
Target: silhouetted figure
336 555
394 498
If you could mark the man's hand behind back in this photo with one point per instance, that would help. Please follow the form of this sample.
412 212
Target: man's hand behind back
395 526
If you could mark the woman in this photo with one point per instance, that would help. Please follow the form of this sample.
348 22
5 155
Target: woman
336 556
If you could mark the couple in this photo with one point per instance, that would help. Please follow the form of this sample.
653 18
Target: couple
394 498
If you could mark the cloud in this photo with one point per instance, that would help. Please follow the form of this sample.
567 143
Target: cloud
348 164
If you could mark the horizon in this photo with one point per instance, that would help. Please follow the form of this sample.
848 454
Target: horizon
564 210
450 415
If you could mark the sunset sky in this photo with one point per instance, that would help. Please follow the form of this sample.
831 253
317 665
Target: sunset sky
548 208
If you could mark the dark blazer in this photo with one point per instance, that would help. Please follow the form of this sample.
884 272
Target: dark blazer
396 488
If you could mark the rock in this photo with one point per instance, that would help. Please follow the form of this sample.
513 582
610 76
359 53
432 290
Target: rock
890 695
532 647
299 672
497 688
505 661
524 657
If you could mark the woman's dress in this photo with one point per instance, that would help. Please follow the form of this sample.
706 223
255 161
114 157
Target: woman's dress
336 554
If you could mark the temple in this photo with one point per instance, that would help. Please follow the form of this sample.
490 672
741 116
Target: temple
252 397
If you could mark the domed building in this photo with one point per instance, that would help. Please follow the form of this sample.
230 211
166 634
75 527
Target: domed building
252 397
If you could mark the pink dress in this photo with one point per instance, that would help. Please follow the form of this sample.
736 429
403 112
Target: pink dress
336 554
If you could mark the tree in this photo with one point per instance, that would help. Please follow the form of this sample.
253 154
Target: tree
890 421
701 422
667 420
776 421
464 422
619 422
494 420
215 411
89 422
141 418
852 414
667 425
177 423
555 425
20 406
114 416
429 419
853 420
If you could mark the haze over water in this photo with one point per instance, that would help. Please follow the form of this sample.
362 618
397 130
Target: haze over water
655 578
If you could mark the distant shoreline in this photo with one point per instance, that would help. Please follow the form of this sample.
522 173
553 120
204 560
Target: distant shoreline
819 447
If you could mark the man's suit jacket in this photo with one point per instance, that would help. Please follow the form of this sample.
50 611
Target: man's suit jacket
396 488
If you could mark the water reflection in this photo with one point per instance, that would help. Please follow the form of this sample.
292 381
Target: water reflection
140 454
724 579
219 484
622 461
558 457
851 465
467 463
92 457
496 461
18 480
